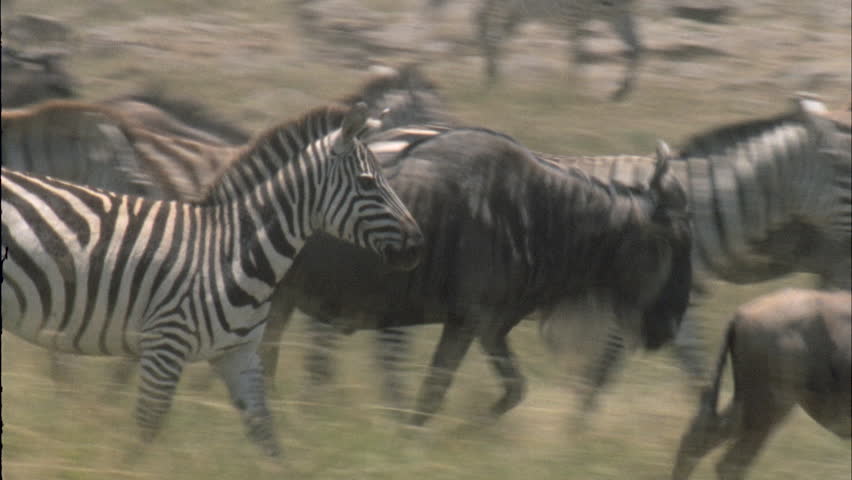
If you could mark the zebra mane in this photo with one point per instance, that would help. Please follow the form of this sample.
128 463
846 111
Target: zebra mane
288 139
187 111
717 140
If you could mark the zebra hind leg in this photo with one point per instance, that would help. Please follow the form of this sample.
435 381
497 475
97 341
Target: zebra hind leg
241 370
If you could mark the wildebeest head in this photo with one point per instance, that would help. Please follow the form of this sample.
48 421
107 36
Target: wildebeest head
664 258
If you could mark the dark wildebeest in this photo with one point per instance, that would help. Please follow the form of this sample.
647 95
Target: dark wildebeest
792 347
507 234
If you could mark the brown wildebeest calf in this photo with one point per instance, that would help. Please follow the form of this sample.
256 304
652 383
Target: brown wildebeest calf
789 347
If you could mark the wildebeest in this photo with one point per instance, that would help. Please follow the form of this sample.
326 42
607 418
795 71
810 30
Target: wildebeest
791 347
793 169
506 234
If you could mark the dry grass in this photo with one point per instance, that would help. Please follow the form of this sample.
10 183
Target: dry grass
253 66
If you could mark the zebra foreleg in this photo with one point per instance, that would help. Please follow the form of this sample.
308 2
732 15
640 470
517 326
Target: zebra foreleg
496 345
625 27
160 368
241 370
452 347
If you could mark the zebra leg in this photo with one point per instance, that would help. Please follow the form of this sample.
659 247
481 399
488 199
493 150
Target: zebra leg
625 26
241 370
160 368
600 371
690 351
60 372
496 21
496 345
488 40
453 345
392 346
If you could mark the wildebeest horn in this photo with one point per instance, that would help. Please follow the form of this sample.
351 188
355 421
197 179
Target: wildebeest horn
664 153
354 122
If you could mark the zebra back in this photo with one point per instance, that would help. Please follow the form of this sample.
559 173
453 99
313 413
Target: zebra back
96 146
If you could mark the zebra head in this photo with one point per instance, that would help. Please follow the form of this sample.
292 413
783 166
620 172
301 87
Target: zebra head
367 212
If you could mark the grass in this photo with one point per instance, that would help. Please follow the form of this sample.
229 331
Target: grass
251 64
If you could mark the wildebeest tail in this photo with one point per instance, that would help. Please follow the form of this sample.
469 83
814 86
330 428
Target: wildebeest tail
710 396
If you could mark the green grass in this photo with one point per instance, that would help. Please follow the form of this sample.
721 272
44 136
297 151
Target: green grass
249 63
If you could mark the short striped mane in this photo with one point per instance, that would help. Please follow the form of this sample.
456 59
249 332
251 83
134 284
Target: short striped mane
718 140
254 163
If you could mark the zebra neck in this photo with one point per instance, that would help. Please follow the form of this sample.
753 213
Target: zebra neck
262 232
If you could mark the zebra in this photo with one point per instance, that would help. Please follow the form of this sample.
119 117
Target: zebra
84 271
163 147
759 190
497 21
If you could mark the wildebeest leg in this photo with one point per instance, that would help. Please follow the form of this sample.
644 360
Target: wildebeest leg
762 409
392 346
280 313
453 345
707 431
625 27
496 345
323 340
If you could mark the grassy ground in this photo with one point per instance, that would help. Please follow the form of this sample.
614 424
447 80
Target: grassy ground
253 65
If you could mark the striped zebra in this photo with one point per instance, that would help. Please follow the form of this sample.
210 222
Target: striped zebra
92 272
768 197
498 20
139 145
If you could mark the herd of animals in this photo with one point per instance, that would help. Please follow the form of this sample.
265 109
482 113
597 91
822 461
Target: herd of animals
383 212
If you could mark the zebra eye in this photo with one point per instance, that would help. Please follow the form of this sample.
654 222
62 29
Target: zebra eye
367 181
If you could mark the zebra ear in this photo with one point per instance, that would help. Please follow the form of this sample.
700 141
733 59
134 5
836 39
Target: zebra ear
664 154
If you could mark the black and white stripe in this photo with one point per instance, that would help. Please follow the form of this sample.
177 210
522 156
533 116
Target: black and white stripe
98 273
768 197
